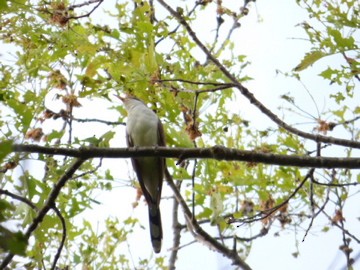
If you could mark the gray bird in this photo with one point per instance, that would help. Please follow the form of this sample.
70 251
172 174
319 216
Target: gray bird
143 128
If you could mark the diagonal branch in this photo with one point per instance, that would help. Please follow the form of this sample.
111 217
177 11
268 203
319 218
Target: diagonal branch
245 92
199 234
19 198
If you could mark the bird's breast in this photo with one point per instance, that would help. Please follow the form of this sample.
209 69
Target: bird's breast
143 130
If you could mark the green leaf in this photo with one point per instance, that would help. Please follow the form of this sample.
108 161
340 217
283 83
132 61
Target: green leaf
338 97
108 175
13 242
345 43
25 115
5 149
206 213
3 4
327 73
4 205
105 139
55 135
309 59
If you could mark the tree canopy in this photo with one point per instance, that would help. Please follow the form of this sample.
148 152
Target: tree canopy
233 175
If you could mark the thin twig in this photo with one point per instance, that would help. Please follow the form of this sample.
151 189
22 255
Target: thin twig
339 227
63 238
316 214
87 3
201 91
88 172
197 3
89 13
18 197
98 121
196 83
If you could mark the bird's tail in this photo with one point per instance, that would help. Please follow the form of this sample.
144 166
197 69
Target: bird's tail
155 227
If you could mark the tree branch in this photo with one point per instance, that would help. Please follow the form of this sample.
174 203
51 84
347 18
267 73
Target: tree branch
89 13
199 233
216 152
176 231
63 238
19 198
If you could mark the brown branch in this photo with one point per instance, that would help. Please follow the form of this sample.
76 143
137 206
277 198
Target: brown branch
47 206
199 234
246 93
216 152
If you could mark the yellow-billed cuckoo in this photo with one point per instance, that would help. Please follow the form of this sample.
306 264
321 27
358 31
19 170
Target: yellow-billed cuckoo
143 128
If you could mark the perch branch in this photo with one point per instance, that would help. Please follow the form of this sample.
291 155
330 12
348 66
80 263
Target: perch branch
216 152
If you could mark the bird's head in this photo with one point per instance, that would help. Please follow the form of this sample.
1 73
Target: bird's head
130 101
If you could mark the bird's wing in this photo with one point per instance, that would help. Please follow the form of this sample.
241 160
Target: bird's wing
161 135
162 161
137 169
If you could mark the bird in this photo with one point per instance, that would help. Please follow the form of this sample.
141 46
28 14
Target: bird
144 128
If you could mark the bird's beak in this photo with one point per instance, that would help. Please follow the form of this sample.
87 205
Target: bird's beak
121 98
